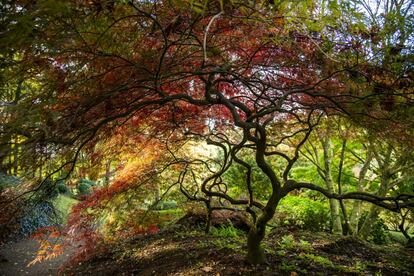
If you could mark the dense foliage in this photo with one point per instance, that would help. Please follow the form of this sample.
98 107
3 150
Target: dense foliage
296 111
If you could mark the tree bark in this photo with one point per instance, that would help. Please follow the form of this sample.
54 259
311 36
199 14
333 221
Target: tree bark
255 252
208 217
403 229
333 203
107 172
15 157
374 210
356 207
346 228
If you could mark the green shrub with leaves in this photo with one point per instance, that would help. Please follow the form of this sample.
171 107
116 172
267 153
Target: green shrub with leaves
226 231
304 213
379 232
165 205
236 173
8 181
84 186
62 188
48 191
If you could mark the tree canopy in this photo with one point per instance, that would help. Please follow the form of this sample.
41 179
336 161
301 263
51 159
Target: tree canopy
250 84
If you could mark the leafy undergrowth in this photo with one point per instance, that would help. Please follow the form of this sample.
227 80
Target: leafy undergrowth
183 251
63 204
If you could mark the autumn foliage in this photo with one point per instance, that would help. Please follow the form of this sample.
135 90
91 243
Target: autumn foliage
131 86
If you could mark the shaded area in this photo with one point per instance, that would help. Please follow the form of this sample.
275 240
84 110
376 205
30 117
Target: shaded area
183 251
15 256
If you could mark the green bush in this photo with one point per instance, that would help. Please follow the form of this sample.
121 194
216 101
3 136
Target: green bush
287 242
62 188
226 231
379 232
84 186
8 180
302 212
48 190
165 205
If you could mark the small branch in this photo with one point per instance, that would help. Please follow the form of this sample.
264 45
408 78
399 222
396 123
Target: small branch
206 33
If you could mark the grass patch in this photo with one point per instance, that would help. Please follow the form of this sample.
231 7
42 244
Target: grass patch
228 231
63 205
396 236
316 259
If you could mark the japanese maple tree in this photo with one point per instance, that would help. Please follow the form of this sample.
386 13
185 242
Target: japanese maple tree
244 77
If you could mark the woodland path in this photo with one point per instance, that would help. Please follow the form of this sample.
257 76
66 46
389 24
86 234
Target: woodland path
15 256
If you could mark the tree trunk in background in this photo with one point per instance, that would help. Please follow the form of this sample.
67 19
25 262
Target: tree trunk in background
15 157
374 210
107 172
362 181
333 203
41 169
335 215
346 228
10 163
4 158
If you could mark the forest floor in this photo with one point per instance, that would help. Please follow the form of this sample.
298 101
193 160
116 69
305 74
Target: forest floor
15 256
182 251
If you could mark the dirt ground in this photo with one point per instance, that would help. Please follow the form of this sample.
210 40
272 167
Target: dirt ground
184 251
191 252
15 256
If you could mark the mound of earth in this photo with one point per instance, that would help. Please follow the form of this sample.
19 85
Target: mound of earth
351 247
218 218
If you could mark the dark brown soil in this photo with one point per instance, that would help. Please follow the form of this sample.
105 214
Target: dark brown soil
351 247
15 256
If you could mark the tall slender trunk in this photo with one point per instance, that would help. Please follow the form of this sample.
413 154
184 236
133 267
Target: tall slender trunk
355 215
333 203
403 229
41 168
335 215
362 181
10 163
374 210
107 172
346 228
15 157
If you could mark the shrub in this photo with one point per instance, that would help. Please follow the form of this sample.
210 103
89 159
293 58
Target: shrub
11 211
165 205
226 231
379 232
62 188
8 181
84 186
287 242
304 213
38 215
48 190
